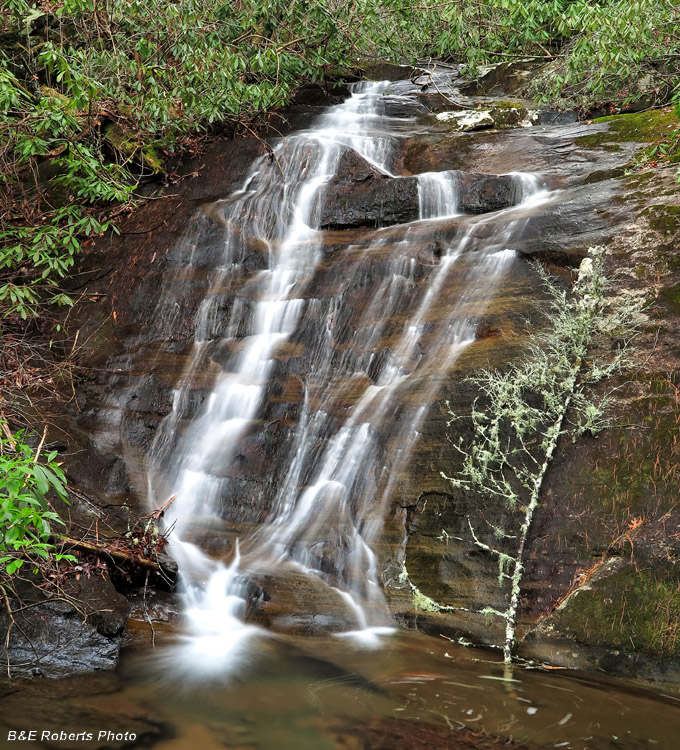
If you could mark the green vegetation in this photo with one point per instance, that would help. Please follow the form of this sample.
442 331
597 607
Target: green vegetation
658 129
523 412
597 51
94 97
25 513
98 92
633 607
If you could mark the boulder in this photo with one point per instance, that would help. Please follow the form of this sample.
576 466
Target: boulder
468 121
503 79
76 628
361 196
375 201
481 193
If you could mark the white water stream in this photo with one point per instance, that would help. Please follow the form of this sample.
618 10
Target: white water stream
341 464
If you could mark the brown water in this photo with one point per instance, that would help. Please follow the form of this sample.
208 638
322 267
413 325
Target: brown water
324 694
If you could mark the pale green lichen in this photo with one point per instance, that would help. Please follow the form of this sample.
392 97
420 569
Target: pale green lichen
522 413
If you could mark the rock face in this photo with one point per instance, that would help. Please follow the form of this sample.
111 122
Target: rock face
360 196
75 629
369 200
467 122
596 491
480 194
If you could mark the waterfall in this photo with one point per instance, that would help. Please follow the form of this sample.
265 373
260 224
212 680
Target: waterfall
371 372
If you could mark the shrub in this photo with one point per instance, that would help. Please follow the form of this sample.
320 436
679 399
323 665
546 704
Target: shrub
26 518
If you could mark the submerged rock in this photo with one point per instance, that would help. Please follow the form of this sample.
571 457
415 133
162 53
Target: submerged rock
398 734
89 712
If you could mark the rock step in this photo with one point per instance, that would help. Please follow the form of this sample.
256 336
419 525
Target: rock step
361 196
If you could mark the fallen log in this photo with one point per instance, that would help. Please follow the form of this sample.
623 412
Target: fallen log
167 569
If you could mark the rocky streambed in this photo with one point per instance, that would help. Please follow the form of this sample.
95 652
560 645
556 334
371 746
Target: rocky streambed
601 590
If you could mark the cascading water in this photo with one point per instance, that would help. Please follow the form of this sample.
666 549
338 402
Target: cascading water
365 390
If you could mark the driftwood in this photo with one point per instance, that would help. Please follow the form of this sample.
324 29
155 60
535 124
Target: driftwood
136 548
114 553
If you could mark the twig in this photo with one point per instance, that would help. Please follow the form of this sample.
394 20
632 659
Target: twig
146 611
40 445
158 513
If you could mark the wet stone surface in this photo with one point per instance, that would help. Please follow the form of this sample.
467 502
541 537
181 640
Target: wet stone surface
56 633
144 291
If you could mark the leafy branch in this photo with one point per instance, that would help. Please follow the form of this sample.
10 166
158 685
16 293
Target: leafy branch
26 517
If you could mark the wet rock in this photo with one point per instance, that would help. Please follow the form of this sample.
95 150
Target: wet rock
375 201
556 117
597 205
150 396
367 198
568 153
503 79
360 196
499 115
140 431
513 114
154 614
400 107
589 215
478 194
77 629
290 602
313 94
107 470
116 481
351 167
383 71
450 569
620 619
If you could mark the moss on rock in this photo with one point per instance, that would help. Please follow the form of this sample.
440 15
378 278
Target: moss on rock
642 126
671 297
662 218
654 128
127 144
630 610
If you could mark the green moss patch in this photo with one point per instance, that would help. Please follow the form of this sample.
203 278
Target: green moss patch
630 610
642 127
508 105
602 139
663 218
671 297
658 129
125 143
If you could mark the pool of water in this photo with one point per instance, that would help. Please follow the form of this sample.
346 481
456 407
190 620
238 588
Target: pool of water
327 694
